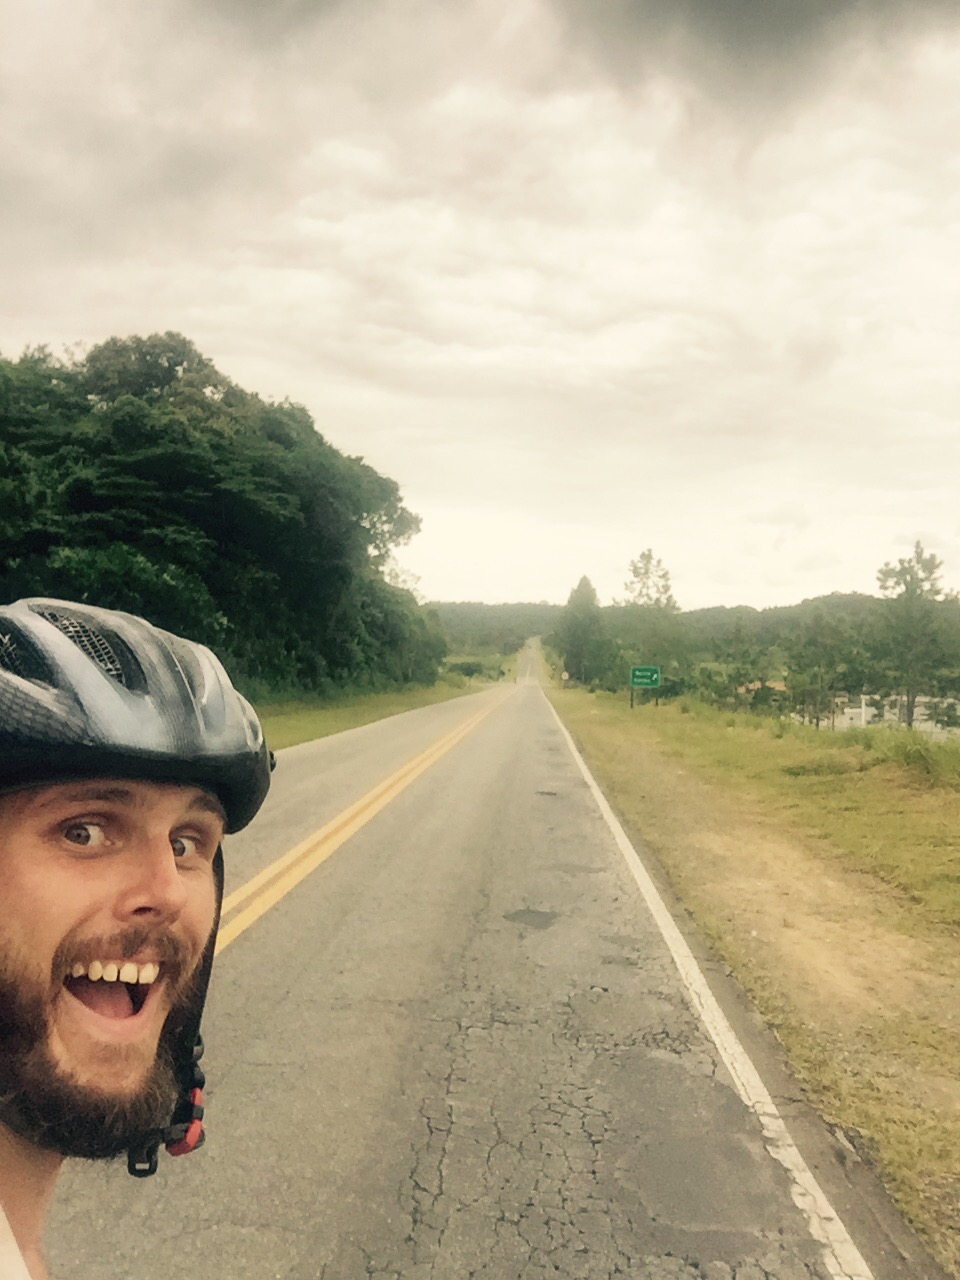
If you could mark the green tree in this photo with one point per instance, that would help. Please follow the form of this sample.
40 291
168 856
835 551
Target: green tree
138 476
908 642
741 668
148 368
649 583
651 636
825 659
582 639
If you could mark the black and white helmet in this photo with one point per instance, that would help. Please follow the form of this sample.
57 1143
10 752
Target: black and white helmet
93 692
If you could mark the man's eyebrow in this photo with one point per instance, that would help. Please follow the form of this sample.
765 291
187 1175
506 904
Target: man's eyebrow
209 804
92 794
205 801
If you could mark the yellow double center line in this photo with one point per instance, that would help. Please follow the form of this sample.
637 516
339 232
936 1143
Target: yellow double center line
248 903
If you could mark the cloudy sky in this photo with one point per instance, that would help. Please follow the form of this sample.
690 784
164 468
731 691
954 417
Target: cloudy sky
584 276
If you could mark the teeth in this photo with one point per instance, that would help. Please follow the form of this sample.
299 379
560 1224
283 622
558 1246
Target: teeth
113 972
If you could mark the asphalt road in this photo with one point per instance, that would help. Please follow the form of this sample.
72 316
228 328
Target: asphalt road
461 1048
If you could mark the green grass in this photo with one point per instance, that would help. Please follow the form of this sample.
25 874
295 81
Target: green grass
886 801
287 723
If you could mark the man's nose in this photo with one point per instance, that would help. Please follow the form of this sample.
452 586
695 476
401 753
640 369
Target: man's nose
153 889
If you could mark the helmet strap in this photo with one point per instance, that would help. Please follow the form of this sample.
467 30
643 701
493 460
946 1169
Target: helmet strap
185 1131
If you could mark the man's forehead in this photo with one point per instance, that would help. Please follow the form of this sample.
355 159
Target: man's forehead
130 793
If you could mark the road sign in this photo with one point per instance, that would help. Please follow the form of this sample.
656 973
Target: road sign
644 677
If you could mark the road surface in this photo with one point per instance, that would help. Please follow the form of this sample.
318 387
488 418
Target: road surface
461 1048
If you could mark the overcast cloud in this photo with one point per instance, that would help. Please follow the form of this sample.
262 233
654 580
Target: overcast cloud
584 278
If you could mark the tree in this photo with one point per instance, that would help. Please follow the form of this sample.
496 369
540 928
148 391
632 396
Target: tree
140 477
581 636
909 642
740 670
148 368
650 636
823 660
649 583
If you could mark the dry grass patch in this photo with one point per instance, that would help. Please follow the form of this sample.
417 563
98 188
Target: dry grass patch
825 874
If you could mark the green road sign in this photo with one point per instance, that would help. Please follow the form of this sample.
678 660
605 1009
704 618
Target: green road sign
644 677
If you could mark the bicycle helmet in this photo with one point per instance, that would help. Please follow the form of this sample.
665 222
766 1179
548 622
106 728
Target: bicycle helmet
88 692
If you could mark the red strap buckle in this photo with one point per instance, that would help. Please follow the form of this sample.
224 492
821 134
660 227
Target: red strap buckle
194 1130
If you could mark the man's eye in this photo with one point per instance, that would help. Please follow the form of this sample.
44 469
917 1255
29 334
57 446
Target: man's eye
88 834
183 845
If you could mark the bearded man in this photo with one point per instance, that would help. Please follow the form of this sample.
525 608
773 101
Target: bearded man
125 755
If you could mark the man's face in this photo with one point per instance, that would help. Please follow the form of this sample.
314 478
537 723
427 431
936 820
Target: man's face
108 898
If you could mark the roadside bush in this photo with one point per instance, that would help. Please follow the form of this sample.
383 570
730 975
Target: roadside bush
466 668
480 667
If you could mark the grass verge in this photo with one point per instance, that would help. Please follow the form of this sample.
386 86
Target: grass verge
825 869
287 723
885 801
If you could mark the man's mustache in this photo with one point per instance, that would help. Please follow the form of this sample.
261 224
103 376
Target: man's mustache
159 945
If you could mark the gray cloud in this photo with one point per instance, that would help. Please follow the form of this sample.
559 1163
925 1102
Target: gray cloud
279 18
524 259
740 51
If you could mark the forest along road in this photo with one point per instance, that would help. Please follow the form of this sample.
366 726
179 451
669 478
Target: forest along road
460 1047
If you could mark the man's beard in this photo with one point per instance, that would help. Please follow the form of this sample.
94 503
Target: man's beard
47 1104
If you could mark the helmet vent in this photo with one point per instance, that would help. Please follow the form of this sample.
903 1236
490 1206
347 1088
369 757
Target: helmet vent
93 644
21 660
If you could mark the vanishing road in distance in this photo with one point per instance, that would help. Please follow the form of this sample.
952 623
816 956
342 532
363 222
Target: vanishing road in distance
461 1047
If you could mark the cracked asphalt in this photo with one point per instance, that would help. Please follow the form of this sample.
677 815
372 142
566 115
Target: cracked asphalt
459 1050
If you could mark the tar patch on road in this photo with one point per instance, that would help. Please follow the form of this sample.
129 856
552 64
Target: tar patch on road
533 919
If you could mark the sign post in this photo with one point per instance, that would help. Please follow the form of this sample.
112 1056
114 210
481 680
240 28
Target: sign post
644 678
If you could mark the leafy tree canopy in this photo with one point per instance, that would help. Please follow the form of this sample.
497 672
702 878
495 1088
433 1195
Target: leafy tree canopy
138 476
911 645
581 637
649 583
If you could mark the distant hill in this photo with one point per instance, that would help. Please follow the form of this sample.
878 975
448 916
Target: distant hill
471 627
770 626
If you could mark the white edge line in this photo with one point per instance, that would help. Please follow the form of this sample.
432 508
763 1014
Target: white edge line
842 1257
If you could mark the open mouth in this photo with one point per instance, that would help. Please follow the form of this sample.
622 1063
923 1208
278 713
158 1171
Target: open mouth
110 996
